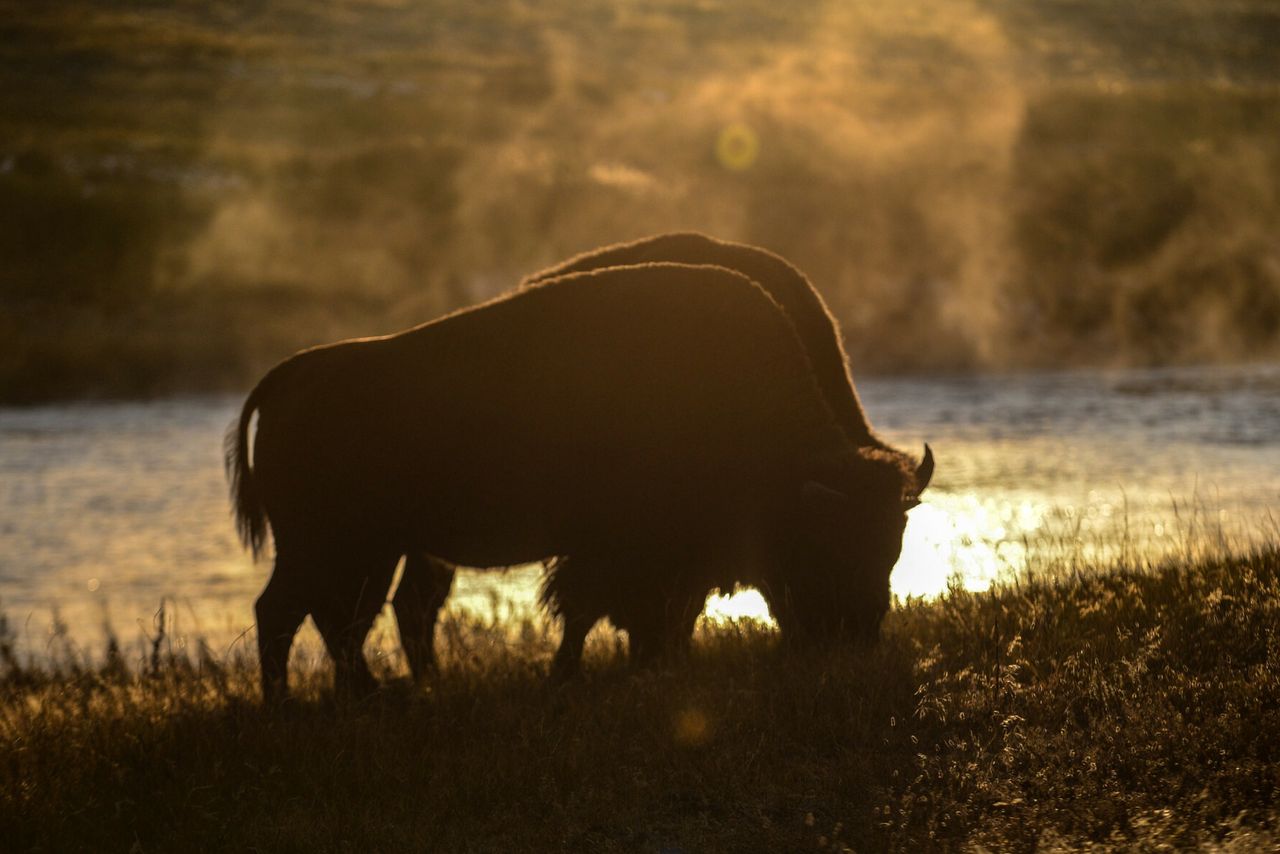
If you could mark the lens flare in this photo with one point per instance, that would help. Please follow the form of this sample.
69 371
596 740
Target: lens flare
692 727
737 147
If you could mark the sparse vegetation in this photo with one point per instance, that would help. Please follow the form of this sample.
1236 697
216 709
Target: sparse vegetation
1132 709
191 190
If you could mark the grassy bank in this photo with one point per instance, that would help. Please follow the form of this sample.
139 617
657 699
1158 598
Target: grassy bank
1129 709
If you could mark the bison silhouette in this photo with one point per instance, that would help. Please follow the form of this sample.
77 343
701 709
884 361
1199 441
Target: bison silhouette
426 581
659 425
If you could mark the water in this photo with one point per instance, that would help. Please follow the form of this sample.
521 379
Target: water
108 509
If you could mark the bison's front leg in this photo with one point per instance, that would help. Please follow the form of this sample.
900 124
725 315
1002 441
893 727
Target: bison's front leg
567 663
352 592
661 628
658 620
424 587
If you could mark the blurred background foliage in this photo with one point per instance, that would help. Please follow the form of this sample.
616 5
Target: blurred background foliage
189 190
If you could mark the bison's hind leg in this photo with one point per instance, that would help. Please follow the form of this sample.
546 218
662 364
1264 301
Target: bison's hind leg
280 610
424 587
660 626
567 593
352 591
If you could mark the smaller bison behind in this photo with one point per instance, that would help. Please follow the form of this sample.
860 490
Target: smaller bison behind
657 425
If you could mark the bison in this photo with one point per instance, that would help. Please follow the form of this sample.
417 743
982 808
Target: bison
656 422
426 581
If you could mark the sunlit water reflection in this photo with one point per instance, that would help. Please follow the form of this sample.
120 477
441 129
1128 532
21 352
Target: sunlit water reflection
106 509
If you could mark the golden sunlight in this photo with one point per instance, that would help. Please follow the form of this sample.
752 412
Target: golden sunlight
962 536
742 604
950 536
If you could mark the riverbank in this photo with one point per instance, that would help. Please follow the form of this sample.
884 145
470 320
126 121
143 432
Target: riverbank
1126 709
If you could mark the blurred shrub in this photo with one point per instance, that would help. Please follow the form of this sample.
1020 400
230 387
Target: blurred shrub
1143 222
65 238
982 186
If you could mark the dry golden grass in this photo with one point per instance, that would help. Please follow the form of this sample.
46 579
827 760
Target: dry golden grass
1126 709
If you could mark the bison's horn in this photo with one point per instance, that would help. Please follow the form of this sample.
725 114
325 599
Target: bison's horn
925 469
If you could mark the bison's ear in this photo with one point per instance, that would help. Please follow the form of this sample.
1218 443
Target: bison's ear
819 494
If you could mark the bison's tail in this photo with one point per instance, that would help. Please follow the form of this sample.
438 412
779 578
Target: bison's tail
550 592
246 500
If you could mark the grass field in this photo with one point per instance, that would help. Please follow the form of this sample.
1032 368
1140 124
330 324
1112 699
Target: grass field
191 190
1126 709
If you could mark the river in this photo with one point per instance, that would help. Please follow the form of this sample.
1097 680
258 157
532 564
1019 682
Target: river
108 509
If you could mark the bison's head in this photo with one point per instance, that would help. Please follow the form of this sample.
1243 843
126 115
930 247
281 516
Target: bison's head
842 544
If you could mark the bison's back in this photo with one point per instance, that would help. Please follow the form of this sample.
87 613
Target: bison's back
792 290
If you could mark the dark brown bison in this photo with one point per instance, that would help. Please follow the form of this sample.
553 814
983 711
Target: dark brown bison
425 582
659 419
